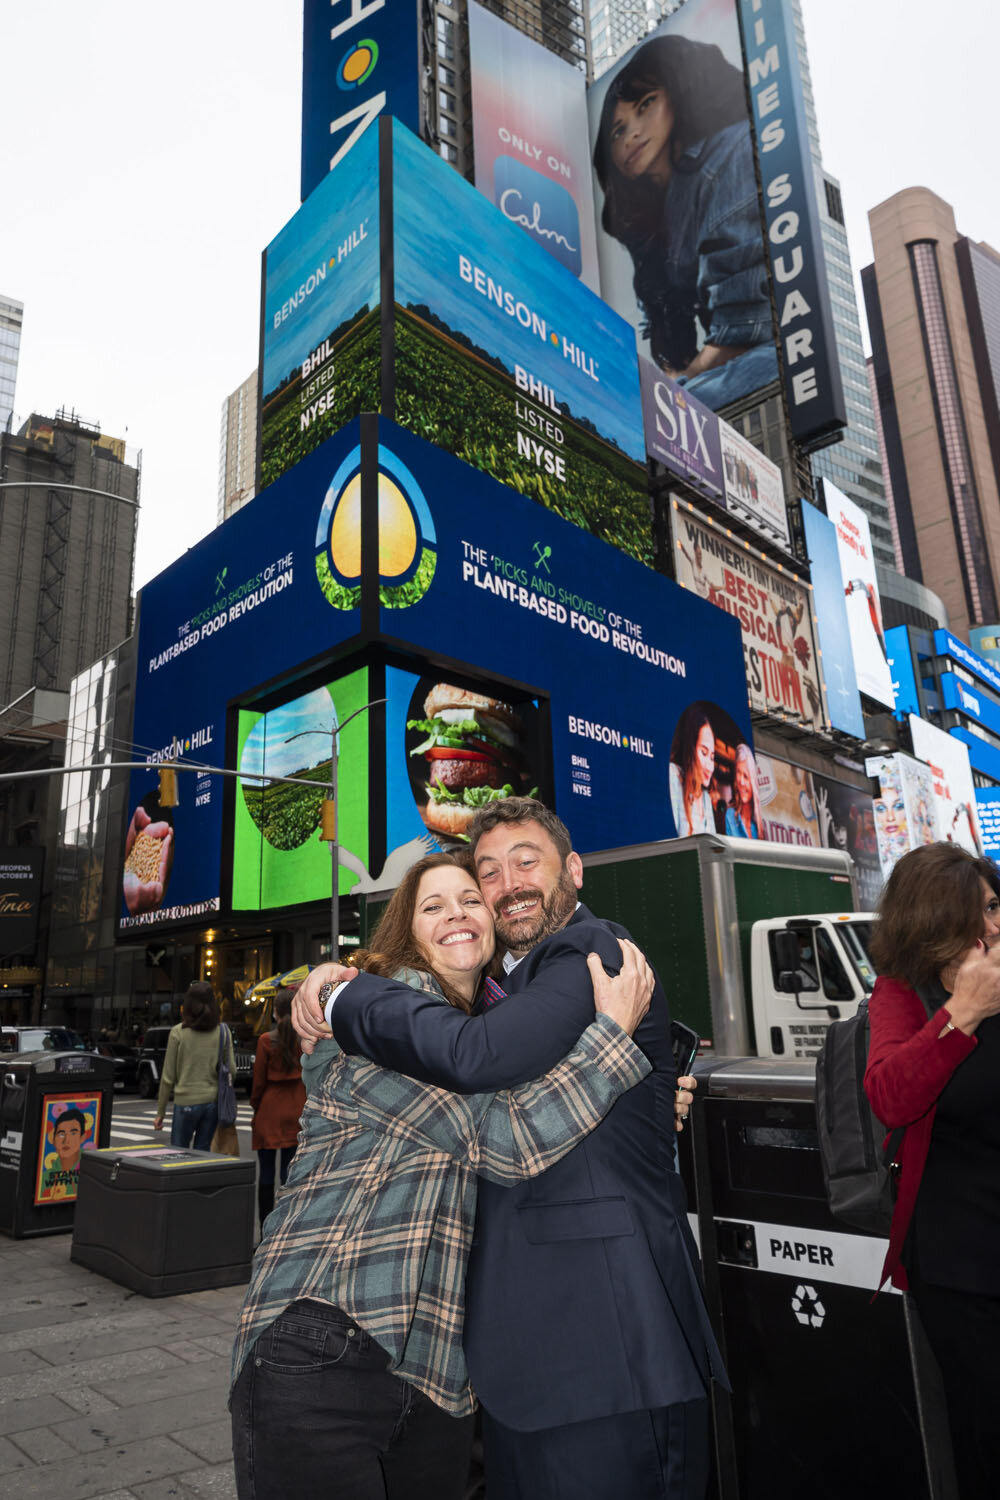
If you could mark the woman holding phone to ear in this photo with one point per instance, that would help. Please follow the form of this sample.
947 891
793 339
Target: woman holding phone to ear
934 1071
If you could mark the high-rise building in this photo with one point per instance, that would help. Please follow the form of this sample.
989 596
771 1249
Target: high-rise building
616 25
559 25
238 448
11 317
933 301
68 512
853 463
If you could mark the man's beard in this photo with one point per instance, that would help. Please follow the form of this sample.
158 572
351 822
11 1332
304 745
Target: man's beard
522 933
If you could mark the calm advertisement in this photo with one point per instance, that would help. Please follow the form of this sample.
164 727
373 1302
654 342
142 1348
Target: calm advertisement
833 632
772 607
954 792
619 655
256 596
358 59
508 361
278 856
529 119
864 608
680 238
813 386
320 334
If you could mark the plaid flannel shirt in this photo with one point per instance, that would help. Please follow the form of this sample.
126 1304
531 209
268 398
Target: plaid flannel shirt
379 1214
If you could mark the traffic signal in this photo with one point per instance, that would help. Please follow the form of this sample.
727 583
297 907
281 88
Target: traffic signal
168 787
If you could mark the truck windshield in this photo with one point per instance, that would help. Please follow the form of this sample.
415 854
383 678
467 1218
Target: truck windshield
856 938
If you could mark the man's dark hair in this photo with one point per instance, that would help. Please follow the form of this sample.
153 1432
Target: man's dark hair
520 810
70 1114
199 1008
930 912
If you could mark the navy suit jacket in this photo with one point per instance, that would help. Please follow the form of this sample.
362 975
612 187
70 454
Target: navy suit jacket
582 1294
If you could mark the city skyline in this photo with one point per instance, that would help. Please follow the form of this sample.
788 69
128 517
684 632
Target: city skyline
140 277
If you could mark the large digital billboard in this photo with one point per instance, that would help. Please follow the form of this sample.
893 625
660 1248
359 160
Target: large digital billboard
620 657
682 244
813 387
278 856
507 360
954 792
681 238
269 589
529 122
773 607
842 701
320 314
359 58
864 607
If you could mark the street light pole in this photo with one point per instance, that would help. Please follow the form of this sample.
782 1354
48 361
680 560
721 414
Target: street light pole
328 827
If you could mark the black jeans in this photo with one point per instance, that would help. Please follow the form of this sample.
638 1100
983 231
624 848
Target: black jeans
316 1412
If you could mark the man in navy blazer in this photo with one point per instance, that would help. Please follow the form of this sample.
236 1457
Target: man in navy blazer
586 1333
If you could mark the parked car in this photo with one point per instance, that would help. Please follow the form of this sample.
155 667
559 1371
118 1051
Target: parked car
41 1039
154 1050
126 1061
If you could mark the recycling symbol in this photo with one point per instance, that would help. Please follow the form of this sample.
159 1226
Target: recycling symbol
807 1307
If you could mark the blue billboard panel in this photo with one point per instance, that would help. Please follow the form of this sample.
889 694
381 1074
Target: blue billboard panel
975 704
946 644
359 58
813 387
988 808
507 360
270 588
842 699
899 654
626 660
320 310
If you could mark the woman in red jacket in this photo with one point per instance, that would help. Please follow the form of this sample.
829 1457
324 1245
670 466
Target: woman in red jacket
277 1099
934 1068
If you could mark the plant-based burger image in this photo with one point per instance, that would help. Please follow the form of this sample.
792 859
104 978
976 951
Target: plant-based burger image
472 745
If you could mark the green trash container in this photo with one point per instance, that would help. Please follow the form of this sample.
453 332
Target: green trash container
54 1108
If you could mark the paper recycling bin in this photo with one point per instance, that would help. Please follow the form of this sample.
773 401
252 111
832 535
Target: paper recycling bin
834 1394
55 1110
165 1219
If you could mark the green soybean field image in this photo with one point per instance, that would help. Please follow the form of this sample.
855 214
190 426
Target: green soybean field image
462 399
298 416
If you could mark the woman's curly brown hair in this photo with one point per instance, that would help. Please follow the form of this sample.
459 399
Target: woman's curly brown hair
930 911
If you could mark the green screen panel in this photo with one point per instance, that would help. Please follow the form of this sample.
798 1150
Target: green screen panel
278 856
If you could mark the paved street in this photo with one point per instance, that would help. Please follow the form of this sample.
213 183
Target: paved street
105 1394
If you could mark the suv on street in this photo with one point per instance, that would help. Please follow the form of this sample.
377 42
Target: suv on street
154 1050
41 1039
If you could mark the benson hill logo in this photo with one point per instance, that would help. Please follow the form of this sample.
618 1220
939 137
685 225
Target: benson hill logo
407 541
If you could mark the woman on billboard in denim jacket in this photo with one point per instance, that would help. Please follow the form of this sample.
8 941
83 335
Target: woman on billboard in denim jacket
675 160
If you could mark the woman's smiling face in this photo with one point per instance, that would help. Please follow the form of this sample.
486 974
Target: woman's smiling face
452 927
640 135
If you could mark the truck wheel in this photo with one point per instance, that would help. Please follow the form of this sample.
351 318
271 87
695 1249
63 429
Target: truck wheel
147 1084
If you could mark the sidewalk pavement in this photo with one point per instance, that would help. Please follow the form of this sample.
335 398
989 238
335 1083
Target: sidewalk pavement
105 1394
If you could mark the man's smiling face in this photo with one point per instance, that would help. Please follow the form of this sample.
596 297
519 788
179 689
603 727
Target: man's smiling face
526 884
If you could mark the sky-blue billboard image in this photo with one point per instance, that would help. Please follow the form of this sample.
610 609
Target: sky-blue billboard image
506 359
320 305
358 61
249 602
842 699
617 652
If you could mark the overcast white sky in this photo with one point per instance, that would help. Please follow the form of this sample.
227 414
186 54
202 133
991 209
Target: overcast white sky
150 152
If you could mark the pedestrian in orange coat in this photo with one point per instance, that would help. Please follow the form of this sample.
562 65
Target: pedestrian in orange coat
277 1098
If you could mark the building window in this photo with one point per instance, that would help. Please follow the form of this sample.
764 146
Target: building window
447 126
834 202
448 151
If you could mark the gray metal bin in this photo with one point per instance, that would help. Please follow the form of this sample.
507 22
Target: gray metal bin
166 1219
833 1393
55 1107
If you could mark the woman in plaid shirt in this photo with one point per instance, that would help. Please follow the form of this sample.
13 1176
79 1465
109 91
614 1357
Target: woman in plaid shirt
348 1366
